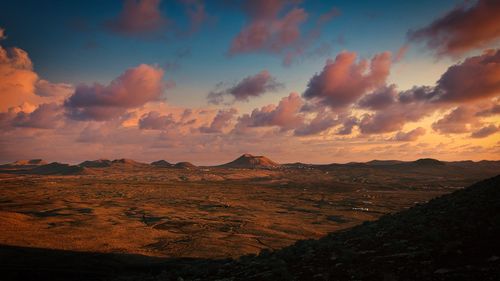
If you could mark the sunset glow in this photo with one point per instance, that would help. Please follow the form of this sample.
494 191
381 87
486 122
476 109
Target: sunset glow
206 81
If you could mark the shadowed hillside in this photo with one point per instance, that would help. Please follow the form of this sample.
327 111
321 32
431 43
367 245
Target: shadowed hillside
453 237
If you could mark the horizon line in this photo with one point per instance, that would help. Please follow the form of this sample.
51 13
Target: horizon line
279 163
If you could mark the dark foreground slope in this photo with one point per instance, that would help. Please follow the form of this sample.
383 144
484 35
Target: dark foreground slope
454 237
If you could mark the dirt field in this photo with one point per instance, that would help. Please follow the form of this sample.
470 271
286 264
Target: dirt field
207 212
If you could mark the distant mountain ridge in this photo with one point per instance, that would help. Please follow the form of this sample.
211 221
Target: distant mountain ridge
249 161
423 162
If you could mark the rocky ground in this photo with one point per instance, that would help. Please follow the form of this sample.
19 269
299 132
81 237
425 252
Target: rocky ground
453 237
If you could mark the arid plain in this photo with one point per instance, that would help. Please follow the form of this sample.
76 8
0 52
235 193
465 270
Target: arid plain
167 210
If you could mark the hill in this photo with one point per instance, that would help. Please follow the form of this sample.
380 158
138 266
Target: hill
161 163
99 163
56 168
251 161
35 162
428 162
297 165
184 165
383 162
24 164
127 163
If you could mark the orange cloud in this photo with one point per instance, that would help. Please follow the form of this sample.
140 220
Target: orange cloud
144 18
401 52
394 117
381 98
343 80
286 115
357 95
274 26
464 28
321 122
45 116
348 125
251 86
138 17
485 131
412 135
17 78
46 88
221 121
266 31
476 78
153 120
134 88
20 84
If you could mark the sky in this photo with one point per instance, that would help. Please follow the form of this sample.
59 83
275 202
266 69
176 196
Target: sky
205 81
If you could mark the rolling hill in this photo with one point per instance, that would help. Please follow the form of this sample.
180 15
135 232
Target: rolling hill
161 163
184 165
99 163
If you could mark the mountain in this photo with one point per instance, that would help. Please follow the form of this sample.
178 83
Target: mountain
124 161
251 161
184 165
99 163
56 168
26 164
127 163
161 163
35 162
102 163
297 165
428 162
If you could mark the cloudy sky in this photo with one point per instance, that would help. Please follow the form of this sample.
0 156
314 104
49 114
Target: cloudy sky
205 81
